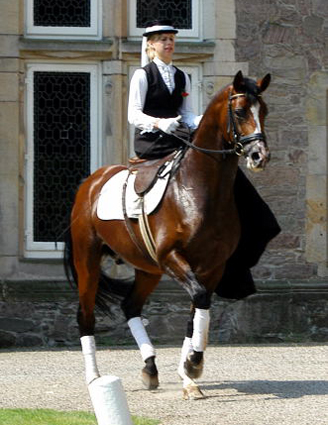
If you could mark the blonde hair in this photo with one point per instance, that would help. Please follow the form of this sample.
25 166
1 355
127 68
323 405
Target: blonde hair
150 49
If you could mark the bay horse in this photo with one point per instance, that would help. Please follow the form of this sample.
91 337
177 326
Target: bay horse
195 230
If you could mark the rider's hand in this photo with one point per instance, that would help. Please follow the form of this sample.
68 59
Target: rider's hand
169 125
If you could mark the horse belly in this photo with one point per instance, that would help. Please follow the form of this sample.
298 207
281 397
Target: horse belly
114 233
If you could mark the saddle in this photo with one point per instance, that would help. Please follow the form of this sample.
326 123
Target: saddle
148 171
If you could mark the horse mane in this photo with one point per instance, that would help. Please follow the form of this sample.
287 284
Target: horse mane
250 88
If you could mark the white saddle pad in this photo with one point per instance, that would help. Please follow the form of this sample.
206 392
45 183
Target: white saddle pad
110 205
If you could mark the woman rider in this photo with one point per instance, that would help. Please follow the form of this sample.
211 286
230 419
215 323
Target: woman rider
159 96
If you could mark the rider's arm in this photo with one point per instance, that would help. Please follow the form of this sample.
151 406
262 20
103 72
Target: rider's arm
186 109
137 97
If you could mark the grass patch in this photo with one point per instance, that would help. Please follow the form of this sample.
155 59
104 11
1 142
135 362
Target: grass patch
54 417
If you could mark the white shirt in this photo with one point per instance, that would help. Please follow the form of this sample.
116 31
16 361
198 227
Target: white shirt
137 97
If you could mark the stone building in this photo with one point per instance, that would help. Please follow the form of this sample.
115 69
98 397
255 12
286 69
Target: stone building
64 77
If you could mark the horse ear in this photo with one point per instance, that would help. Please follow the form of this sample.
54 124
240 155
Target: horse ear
238 82
264 83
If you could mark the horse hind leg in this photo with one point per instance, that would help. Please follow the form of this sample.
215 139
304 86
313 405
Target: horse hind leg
86 321
149 373
88 270
132 305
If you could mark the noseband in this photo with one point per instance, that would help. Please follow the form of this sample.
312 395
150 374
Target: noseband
240 141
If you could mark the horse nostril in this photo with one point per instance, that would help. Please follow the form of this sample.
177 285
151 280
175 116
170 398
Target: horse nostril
255 156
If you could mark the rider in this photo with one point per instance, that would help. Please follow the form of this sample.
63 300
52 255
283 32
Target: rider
160 100
159 95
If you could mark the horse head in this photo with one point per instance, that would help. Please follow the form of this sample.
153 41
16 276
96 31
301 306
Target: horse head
246 114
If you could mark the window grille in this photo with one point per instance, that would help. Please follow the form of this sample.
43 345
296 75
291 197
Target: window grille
61 148
62 13
63 19
185 15
179 13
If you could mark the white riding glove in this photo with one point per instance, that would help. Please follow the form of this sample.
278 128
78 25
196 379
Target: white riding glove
169 125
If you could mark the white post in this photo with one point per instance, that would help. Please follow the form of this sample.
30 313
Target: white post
109 401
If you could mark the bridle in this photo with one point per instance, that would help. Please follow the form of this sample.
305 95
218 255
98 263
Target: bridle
239 142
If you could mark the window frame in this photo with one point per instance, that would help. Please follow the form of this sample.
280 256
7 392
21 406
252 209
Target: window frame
33 249
94 31
194 34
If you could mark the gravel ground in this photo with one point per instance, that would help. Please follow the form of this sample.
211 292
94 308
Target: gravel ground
244 385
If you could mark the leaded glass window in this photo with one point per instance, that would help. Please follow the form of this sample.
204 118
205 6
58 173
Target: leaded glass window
179 12
62 13
61 148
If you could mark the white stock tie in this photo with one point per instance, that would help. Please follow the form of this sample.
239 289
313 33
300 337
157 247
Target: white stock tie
167 76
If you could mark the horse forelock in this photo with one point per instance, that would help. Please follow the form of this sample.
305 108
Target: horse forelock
252 90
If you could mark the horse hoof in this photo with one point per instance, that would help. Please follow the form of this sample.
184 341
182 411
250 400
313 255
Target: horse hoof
150 382
192 392
193 371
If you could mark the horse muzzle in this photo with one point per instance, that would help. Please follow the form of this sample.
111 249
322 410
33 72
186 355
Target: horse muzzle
257 155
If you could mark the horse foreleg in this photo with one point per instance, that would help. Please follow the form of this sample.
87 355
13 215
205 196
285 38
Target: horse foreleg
192 354
192 357
132 307
195 359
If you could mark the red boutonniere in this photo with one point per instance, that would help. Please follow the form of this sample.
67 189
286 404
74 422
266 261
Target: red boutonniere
184 94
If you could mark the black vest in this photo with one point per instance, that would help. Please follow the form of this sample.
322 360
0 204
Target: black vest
159 103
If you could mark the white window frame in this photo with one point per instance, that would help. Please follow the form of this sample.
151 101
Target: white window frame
94 31
196 94
194 34
33 249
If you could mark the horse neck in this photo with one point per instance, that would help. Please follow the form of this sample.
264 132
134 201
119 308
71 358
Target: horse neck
216 171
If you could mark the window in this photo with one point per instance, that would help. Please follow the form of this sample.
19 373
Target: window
185 15
62 148
76 19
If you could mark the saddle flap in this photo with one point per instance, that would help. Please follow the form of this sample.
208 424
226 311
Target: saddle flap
147 173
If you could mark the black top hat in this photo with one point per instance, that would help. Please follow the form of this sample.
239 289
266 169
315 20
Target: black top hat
158 27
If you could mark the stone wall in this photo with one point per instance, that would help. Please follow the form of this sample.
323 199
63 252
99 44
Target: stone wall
46 316
289 39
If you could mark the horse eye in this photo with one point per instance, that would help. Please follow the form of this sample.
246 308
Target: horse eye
240 113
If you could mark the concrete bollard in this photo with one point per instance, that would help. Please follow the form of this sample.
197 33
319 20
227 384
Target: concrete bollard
109 401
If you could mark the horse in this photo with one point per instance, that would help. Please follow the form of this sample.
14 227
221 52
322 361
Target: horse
195 230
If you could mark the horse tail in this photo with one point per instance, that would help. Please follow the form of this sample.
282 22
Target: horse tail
110 290
69 267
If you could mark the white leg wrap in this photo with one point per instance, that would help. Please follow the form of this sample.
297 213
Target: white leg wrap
140 335
89 353
185 350
201 326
